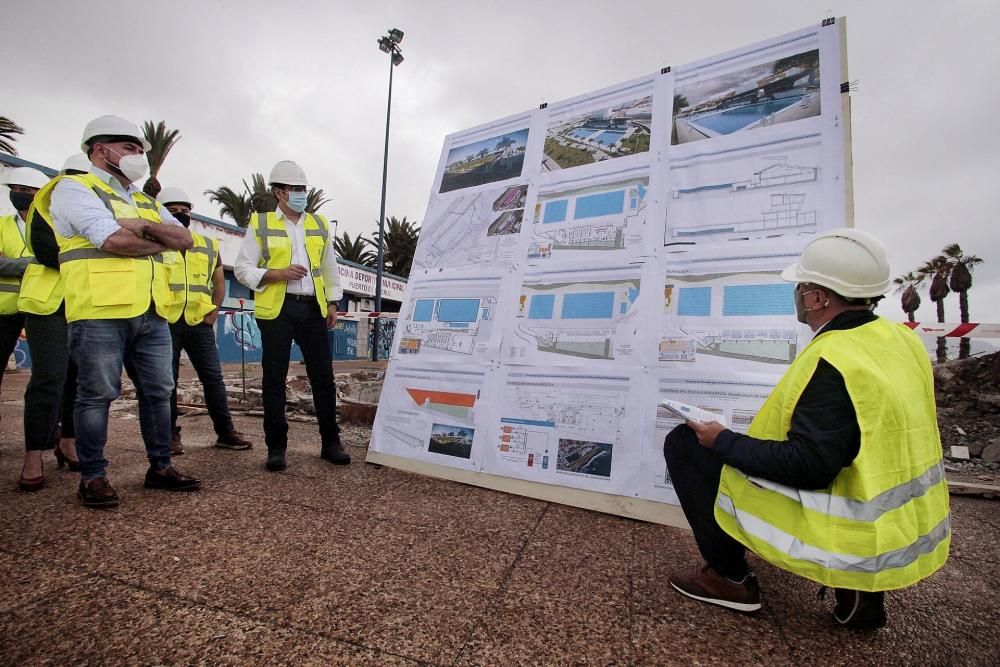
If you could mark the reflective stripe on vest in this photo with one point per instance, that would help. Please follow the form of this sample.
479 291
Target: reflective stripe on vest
42 286
797 549
12 245
276 253
883 523
200 263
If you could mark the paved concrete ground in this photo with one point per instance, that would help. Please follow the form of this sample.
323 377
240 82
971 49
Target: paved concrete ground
365 565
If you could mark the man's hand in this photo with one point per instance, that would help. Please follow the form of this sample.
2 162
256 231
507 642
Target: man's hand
331 316
211 317
293 272
707 432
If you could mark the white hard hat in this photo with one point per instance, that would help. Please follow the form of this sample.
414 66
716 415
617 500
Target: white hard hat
287 172
848 261
173 196
114 126
76 162
26 176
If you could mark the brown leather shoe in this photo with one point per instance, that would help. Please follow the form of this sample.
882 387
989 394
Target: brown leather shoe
97 493
707 585
176 446
233 440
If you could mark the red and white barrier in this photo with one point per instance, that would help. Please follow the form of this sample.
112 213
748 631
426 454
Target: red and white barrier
953 330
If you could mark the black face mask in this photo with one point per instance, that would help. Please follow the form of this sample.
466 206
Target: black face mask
183 218
21 200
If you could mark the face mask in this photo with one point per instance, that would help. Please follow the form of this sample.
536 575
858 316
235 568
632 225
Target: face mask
800 307
21 200
297 201
183 218
132 167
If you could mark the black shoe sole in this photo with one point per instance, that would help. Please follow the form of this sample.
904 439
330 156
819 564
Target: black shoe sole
336 462
273 467
235 448
162 487
103 504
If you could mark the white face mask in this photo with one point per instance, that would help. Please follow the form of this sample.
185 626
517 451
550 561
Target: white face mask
132 167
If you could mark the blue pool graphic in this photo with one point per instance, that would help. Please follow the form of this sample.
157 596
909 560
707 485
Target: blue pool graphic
736 119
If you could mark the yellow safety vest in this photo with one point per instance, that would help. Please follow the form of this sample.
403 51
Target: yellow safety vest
883 523
102 285
276 253
12 246
42 287
200 263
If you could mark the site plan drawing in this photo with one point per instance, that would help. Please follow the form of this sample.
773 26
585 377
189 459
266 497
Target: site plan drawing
568 427
450 318
479 228
433 414
595 217
576 317
729 322
735 397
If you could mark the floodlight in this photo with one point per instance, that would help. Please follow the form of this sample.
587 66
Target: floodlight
396 35
385 44
397 57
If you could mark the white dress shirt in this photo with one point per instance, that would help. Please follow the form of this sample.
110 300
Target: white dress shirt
249 272
77 211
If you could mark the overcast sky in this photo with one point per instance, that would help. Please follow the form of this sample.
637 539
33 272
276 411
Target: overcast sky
249 83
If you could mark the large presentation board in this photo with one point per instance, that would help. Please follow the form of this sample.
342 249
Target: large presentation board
582 261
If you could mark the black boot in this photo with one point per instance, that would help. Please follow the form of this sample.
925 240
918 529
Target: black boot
334 453
859 610
275 460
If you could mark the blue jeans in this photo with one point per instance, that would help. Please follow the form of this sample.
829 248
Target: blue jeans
100 349
199 342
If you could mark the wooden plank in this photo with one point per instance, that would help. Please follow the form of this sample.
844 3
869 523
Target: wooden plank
633 508
845 116
974 489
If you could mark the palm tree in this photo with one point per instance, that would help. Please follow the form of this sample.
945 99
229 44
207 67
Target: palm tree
8 129
960 281
937 270
161 140
261 197
355 250
910 300
400 244
315 199
234 204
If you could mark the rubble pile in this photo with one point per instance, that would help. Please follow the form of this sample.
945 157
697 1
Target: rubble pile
968 400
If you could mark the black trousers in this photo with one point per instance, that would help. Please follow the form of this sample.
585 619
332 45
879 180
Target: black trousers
199 342
10 331
695 473
299 321
52 388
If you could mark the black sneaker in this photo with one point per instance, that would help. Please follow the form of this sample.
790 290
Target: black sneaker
859 610
97 493
335 454
171 479
276 460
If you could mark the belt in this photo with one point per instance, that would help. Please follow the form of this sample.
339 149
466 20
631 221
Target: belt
302 298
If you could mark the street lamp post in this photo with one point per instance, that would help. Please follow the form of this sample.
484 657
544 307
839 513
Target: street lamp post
389 44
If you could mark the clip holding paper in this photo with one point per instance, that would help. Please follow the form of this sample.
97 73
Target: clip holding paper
543 105
665 70
829 21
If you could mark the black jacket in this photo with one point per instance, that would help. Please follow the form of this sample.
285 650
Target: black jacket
824 436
